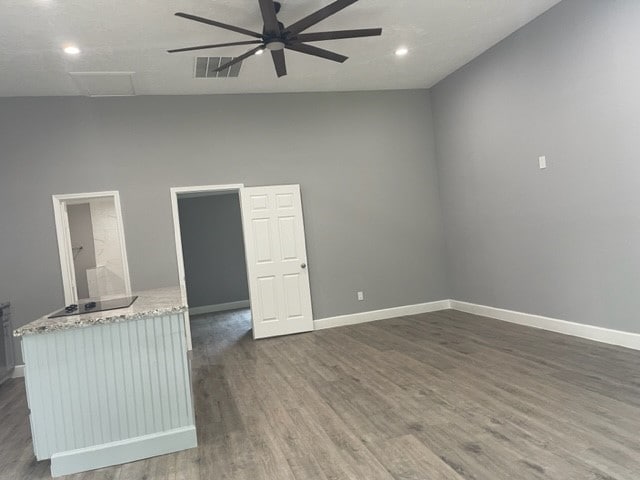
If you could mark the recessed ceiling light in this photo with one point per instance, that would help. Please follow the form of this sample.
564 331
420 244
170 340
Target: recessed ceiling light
402 51
260 52
71 50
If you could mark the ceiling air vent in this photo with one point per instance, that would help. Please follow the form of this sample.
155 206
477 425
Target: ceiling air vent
206 66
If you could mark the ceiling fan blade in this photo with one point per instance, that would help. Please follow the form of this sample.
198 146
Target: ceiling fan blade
204 47
318 16
318 52
218 24
320 36
238 59
268 9
279 62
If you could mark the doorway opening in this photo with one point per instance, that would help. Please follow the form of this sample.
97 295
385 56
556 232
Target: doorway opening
91 244
200 215
214 258
272 227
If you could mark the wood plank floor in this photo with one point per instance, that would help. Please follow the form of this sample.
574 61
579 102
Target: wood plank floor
438 396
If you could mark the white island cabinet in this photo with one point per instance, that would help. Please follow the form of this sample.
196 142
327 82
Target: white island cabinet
110 387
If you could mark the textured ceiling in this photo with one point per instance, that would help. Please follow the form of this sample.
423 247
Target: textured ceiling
133 35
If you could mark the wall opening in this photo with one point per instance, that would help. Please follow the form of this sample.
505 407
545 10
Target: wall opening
215 271
91 244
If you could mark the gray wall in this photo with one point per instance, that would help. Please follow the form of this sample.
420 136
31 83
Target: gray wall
213 249
81 233
563 242
365 163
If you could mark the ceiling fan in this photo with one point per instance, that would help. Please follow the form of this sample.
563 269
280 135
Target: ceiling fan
275 37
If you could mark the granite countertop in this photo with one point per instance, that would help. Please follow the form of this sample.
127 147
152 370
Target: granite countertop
150 303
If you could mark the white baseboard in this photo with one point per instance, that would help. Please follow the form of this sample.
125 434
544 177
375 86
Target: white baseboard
591 332
375 315
18 371
220 307
123 451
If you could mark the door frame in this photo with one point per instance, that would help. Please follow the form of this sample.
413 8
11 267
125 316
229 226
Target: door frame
65 252
175 192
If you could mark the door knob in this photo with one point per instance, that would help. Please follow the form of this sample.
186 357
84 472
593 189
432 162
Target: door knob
304 265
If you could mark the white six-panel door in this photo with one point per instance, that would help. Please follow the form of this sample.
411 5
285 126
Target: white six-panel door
276 260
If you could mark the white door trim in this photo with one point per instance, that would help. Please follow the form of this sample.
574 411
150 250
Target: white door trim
64 239
175 192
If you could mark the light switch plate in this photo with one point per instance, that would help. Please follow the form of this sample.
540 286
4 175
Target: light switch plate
543 162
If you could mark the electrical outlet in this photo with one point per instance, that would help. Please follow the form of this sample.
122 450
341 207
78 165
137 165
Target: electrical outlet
360 296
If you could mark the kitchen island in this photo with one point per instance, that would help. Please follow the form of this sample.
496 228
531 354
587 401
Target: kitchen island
110 387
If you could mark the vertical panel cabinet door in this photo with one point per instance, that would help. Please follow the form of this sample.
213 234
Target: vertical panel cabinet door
276 260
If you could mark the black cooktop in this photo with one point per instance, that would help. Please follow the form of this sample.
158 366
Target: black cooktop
94 305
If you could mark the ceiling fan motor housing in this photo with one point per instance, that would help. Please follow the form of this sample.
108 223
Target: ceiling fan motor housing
269 36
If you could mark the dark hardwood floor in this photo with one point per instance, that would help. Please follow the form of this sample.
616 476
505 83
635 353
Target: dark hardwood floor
445 395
